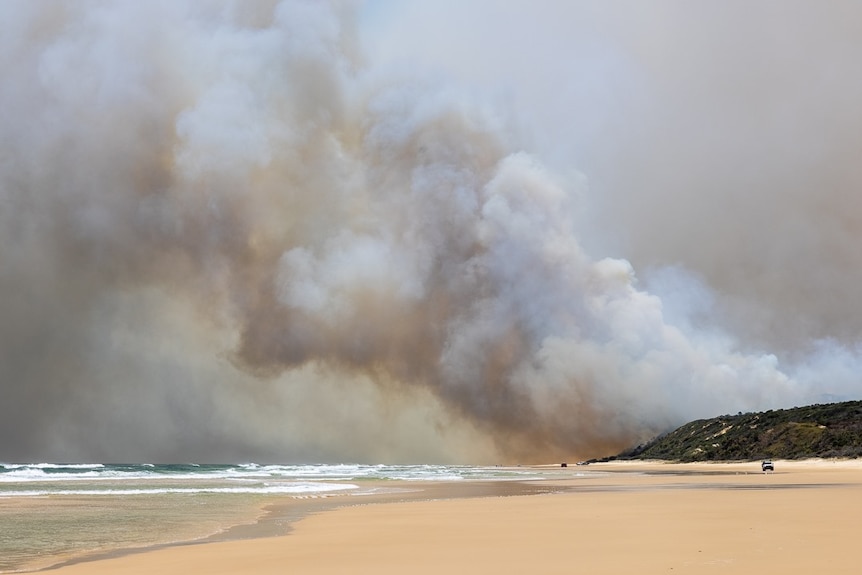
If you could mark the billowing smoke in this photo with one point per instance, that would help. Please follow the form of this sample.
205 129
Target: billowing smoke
230 234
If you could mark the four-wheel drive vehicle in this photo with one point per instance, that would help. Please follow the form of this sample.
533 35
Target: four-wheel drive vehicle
766 465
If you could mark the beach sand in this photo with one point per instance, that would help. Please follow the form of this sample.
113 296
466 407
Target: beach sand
617 517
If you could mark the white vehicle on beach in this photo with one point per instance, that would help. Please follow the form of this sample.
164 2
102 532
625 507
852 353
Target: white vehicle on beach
766 465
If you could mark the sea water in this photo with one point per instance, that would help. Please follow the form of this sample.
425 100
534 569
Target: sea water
51 513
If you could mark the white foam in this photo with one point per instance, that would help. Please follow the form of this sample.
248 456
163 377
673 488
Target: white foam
249 473
285 488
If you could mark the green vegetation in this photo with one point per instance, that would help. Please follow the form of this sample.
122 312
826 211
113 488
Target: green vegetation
828 430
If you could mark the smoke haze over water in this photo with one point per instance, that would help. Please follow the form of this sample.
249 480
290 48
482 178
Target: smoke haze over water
396 232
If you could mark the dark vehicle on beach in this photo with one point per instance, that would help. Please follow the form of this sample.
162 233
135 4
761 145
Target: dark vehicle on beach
766 465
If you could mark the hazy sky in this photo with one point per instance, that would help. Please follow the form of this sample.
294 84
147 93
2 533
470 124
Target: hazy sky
420 231
722 137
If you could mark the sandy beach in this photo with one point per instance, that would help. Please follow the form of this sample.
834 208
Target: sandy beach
616 517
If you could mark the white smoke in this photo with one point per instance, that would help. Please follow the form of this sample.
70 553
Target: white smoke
232 236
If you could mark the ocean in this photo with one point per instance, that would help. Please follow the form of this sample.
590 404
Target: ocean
54 513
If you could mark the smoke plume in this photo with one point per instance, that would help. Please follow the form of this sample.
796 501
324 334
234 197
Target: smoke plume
231 233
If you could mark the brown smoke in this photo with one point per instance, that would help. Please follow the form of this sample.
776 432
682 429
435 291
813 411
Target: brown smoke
230 236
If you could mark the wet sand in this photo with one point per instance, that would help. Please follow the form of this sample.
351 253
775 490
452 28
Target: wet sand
606 518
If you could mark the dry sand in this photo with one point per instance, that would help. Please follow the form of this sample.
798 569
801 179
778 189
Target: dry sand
630 518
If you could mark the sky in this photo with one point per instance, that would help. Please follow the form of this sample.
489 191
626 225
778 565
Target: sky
408 231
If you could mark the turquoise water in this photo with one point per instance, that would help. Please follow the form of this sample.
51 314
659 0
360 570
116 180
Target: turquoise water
50 513
44 531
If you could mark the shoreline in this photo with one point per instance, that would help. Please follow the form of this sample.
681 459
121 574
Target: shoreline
277 518
283 523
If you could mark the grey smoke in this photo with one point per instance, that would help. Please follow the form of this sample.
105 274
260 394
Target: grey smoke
230 232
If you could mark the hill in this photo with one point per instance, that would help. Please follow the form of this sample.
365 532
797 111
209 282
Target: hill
827 430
